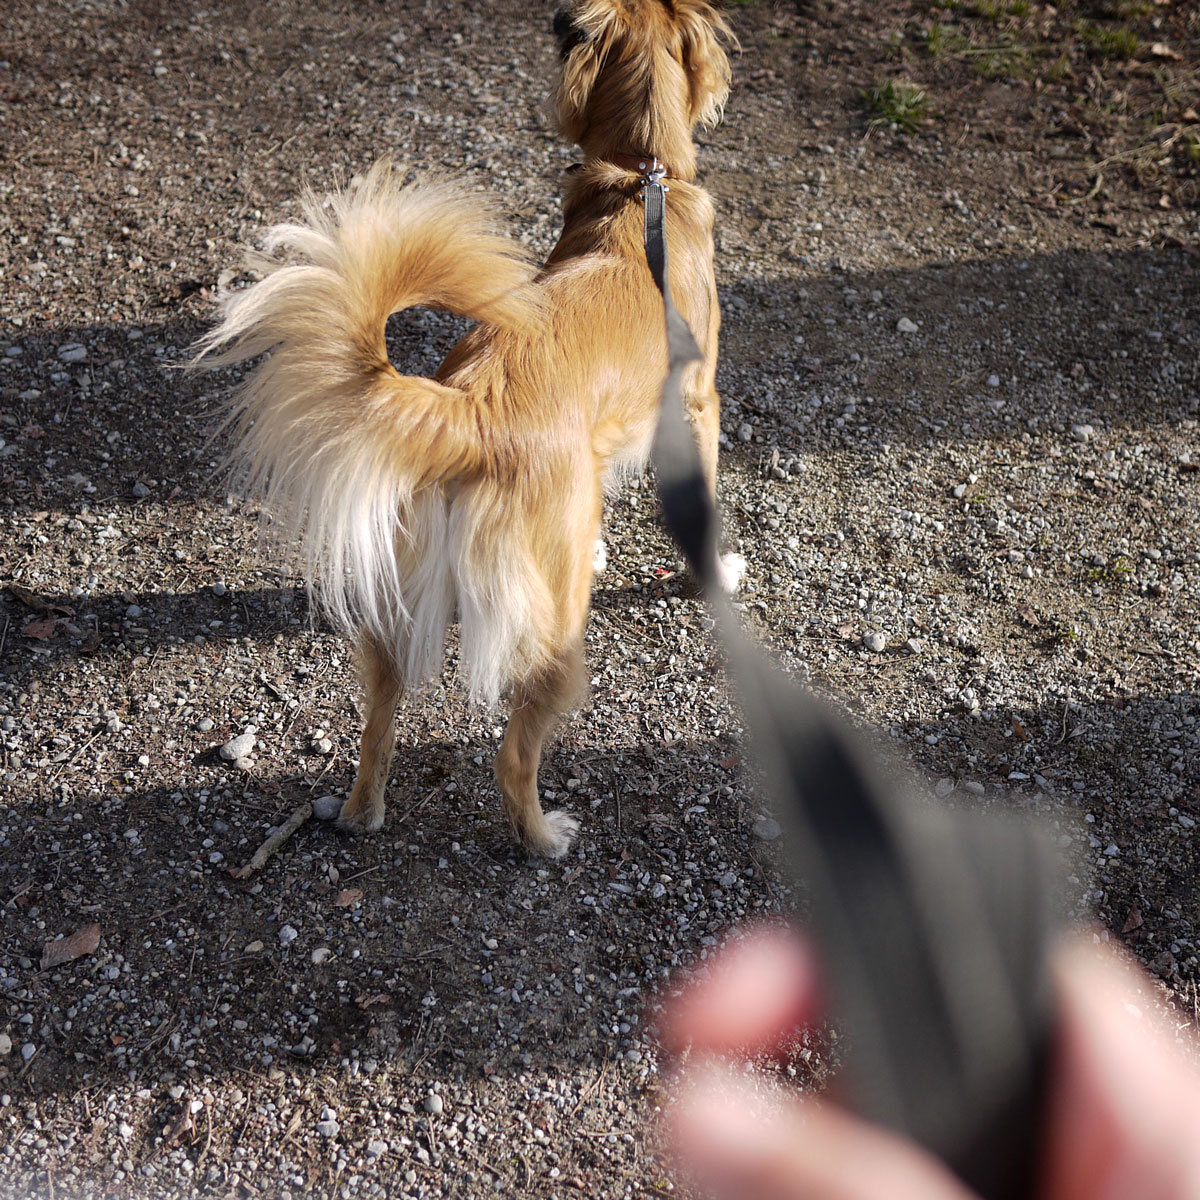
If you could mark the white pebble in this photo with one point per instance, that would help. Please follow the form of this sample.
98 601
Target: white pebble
875 641
239 746
904 325
287 934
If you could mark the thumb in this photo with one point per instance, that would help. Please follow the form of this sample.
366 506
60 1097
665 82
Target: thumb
738 1137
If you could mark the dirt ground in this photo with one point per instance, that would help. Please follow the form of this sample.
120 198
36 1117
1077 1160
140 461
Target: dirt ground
961 362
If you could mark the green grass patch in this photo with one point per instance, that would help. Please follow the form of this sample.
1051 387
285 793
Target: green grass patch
1108 43
897 104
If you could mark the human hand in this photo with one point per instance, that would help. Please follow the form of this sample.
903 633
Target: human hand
1122 1108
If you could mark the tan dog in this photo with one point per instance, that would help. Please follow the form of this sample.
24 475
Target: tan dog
482 488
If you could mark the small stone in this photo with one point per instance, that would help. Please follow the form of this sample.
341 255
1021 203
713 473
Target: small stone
5 1044
904 325
943 787
133 612
974 787
328 1129
240 746
139 491
376 1148
205 724
287 934
875 641
72 352
1112 850
914 645
323 746
320 955
766 828
255 947
325 808
745 431
433 1104
219 589
993 381
1083 433
28 1051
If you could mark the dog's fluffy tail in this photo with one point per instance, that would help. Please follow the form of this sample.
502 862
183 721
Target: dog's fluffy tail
332 440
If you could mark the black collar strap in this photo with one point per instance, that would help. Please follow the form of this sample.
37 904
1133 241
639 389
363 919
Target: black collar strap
643 164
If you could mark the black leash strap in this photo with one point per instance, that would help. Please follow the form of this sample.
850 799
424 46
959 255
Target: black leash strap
932 925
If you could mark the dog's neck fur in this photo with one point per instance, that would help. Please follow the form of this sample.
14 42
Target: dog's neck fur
642 112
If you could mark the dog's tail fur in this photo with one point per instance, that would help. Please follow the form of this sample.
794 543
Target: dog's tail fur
332 440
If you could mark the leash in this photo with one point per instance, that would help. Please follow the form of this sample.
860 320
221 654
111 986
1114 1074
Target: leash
932 925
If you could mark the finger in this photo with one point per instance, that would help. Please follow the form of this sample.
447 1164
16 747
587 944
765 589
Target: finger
755 992
741 1139
1124 1110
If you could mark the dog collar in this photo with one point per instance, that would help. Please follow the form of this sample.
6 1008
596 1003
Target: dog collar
645 165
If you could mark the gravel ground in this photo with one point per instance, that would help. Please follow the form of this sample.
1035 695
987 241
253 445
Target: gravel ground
962 397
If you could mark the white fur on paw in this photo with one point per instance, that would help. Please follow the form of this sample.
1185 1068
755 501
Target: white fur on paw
599 556
731 570
355 825
562 828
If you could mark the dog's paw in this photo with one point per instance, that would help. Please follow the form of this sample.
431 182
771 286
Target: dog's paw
357 822
731 570
599 556
556 838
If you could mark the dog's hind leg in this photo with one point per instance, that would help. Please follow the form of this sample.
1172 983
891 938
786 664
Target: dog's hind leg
363 812
706 420
537 705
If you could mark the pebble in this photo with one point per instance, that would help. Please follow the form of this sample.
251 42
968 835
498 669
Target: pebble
993 381
205 724
72 352
904 325
5 1044
376 1148
28 1051
240 746
433 1104
133 612
325 808
1083 433
943 787
766 828
320 955
287 934
875 641
219 589
328 1128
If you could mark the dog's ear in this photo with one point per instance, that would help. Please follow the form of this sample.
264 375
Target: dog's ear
584 30
704 34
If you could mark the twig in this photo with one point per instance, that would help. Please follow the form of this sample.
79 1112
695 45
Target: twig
1091 195
277 839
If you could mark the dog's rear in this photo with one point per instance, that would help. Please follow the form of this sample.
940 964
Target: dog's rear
482 487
